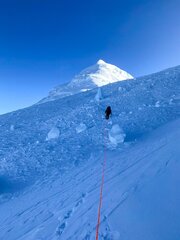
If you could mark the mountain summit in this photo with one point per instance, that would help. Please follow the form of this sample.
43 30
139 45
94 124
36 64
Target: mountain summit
98 75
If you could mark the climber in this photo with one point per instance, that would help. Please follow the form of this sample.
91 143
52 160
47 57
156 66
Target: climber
108 112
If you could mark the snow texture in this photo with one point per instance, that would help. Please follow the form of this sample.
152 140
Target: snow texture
49 190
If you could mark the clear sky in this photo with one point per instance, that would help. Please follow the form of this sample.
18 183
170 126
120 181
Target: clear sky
44 43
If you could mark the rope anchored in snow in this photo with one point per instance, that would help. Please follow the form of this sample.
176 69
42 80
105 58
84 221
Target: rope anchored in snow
101 192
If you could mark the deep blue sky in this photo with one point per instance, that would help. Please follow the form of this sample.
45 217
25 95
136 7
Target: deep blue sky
45 42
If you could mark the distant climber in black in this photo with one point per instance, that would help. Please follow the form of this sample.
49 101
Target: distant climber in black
108 112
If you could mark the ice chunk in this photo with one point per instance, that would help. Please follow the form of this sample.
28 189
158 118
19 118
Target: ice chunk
81 128
98 96
157 104
53 134
12 128
116 135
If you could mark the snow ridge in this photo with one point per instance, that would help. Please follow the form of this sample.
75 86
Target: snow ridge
98 75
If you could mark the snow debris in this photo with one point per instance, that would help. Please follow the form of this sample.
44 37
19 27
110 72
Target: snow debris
53 134
120 89
82 127
171 101
12 128
84 90
157 104
98 96
116 135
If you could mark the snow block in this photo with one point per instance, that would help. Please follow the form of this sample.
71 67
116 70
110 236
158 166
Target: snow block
116 135
12 128
98 96
82 127
53 134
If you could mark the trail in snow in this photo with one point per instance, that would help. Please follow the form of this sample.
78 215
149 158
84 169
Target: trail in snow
66 207
51 160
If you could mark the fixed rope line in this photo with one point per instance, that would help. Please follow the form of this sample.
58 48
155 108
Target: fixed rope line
101 192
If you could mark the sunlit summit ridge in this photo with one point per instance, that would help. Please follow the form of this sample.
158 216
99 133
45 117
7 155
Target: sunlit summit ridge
97 75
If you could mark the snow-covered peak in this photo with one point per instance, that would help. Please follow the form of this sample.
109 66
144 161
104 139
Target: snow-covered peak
100 74
101 62
97 75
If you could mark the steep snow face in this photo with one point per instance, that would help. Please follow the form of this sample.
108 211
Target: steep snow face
98 75
61 144
74 125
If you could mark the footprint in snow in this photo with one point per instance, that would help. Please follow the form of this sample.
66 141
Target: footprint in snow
62 225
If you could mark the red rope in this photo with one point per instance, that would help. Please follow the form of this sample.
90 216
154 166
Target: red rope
101 193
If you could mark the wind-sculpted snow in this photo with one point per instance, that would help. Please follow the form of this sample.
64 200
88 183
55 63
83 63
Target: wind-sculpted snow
25 153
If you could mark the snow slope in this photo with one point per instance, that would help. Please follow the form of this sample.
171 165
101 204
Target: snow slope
98 75
51 159
141 197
